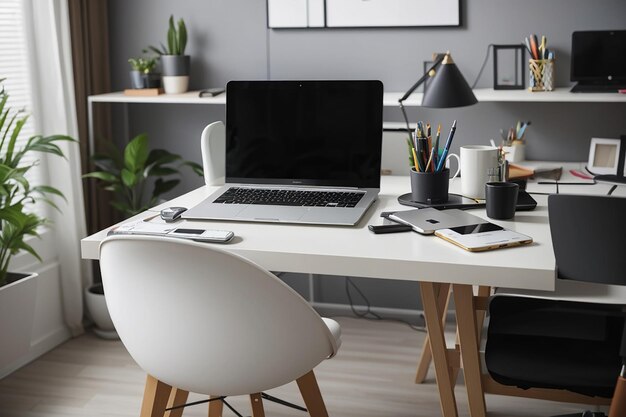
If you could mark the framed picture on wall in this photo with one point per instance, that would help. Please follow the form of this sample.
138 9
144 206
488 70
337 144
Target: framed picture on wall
392 13
359 13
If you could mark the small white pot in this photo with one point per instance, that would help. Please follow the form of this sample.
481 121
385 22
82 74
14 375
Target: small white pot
515 153
17 315
96 304
176 84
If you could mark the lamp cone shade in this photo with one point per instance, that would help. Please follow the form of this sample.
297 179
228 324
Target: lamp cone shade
448 88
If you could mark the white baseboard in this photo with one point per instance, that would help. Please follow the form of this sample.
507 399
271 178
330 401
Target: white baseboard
42 346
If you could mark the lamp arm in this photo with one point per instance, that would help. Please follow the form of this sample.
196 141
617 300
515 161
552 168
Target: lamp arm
422 79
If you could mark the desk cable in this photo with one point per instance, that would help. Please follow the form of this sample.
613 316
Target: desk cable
368 314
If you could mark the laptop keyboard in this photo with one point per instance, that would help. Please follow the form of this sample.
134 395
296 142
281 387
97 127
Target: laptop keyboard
278 197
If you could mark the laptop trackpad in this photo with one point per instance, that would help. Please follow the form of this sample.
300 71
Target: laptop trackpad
272 213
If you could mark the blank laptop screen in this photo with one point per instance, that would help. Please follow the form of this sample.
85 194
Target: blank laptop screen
325 133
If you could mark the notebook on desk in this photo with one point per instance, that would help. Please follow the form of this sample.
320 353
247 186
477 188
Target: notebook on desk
299 152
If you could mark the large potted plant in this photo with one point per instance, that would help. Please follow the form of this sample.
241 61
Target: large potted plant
18 225
174 63
127 174
142 73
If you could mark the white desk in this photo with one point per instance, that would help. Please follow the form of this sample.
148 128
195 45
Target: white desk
354 251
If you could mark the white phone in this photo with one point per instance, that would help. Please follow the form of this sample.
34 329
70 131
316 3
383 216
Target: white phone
202 235
482 237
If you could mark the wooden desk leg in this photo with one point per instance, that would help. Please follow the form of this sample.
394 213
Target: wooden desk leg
467 327
177 397
443 298
155 397
432 313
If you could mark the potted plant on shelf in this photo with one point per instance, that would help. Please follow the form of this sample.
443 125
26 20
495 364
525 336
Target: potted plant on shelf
174 63
19 224
127 175
142 74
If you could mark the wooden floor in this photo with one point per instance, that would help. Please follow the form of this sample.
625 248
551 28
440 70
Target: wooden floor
371 376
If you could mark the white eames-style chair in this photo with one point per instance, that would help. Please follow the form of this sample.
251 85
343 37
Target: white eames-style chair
199 319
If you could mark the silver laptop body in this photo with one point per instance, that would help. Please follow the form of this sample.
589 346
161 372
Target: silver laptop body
318 142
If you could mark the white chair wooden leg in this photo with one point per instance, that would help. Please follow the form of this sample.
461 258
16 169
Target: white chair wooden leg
256 402
215 408
177 397
311 394
155 397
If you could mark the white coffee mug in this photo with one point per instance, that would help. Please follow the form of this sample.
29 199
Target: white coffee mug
476 160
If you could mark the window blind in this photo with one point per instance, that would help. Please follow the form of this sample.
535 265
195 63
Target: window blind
15 69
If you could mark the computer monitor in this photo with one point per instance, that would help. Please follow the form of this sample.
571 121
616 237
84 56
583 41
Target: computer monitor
599 57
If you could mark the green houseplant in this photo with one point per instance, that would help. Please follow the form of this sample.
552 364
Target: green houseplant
19 225
17 195
127 174
142 74
175 64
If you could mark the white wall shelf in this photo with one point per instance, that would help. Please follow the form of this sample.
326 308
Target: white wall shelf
190 97
559 95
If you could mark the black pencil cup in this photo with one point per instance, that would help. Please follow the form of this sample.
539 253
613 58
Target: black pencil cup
430 187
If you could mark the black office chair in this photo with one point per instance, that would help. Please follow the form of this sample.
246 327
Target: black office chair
558 344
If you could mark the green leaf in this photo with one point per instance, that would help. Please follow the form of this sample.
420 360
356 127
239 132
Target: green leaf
26 247
13 139
14 215
136 153
129 178
161 156
101 175
123 207
46 189
195 167
159 171
161 187
171 37
182 37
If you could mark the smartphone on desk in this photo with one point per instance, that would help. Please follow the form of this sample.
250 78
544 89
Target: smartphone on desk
482 237
202 235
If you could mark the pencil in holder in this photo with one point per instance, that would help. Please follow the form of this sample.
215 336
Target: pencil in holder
541 74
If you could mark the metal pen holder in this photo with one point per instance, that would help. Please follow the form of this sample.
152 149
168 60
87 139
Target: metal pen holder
541 74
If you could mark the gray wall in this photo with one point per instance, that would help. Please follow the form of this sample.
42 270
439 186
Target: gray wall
229 40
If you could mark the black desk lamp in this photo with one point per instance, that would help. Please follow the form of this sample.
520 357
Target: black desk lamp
447 88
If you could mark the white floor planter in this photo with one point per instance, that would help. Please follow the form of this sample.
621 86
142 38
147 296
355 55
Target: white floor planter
17 315
96 304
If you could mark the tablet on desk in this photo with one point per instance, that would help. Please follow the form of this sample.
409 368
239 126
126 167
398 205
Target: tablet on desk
483 236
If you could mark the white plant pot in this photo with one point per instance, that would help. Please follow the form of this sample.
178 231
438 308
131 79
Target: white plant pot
96 304
17 315
175 84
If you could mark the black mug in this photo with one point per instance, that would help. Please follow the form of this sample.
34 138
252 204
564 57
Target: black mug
430 187
501 198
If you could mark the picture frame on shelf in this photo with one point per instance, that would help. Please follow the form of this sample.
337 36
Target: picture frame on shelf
508 67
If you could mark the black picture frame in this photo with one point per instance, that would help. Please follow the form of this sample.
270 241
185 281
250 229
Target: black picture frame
516 63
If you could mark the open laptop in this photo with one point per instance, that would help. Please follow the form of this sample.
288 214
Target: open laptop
299 152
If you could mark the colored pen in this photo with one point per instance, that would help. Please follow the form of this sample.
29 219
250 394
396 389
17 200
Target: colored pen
436 157
430 160
446 149
415 160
